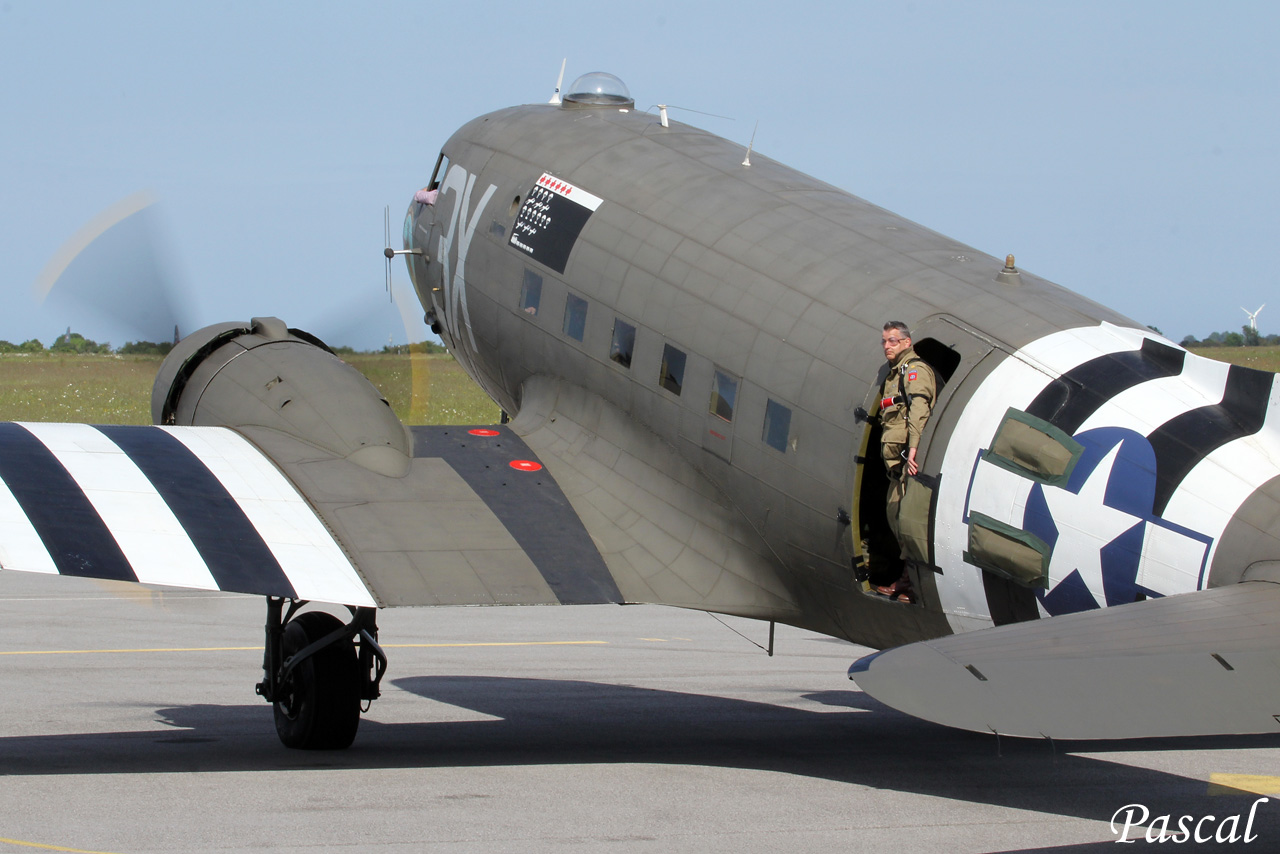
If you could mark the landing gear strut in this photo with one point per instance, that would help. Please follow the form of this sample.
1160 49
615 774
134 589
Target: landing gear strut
317 672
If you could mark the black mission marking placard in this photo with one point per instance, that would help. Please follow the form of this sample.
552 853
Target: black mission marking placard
550 220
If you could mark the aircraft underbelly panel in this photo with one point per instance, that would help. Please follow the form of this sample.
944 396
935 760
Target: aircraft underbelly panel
667 534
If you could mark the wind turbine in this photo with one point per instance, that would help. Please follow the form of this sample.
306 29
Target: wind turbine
1253 316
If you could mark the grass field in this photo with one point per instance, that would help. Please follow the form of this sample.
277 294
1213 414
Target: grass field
427 389
1262 358
117 389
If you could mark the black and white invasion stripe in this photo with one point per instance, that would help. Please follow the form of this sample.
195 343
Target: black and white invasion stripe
1214 435
196 507
1179 443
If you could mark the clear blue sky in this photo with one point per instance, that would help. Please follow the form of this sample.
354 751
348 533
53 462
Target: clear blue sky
1128 151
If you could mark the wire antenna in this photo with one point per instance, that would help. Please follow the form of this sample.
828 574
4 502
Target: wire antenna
768 649
692 110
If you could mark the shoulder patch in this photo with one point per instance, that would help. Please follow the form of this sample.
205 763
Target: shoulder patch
912 376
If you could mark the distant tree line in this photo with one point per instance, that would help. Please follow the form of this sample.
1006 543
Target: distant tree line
31 345
77 344
1246 337
400 349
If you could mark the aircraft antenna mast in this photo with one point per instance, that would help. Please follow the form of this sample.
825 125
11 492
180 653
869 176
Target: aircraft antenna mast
746 161
555 98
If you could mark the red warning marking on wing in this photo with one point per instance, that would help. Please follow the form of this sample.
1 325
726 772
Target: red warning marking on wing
480 431
526 465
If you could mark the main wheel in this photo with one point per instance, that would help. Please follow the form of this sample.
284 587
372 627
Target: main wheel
319 704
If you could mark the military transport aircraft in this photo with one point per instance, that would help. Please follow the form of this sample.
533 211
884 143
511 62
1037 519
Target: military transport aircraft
688 342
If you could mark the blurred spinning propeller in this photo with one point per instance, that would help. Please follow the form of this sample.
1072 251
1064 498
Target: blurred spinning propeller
115 281
113 278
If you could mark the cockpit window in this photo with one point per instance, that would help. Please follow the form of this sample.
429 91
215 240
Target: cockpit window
437 175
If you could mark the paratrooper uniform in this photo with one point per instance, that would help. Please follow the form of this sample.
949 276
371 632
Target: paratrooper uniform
906 401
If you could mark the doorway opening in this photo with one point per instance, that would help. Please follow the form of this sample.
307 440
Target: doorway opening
878 560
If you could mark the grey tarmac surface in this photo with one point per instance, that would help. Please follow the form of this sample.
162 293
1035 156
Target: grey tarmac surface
131 725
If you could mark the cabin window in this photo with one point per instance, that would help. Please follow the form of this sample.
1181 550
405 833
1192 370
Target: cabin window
724 392
777 426
531 293
672 376
624 342
575 317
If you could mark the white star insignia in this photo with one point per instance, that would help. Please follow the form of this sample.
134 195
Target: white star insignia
1085 525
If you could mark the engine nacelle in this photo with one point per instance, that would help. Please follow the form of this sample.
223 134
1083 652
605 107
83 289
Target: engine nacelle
264 374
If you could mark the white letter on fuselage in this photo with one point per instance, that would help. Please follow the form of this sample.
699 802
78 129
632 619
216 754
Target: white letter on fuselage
455 286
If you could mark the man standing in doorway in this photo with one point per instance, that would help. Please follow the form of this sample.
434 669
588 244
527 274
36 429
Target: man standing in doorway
906 401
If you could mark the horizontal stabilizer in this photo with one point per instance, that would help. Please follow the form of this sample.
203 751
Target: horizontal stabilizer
1202 663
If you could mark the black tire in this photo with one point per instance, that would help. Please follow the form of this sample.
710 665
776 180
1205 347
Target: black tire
319 704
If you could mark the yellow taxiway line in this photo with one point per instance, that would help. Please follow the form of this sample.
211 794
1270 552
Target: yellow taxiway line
259 649
158 649
44 847
1234 784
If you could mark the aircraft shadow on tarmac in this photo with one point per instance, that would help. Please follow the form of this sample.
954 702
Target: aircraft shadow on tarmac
566 722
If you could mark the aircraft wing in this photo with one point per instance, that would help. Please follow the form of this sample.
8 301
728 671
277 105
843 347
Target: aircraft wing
1198 663
281 471
474 520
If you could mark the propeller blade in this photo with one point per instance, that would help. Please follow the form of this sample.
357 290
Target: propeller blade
113 278
388 253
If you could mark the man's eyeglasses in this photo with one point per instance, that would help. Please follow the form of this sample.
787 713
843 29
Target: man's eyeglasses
892 340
